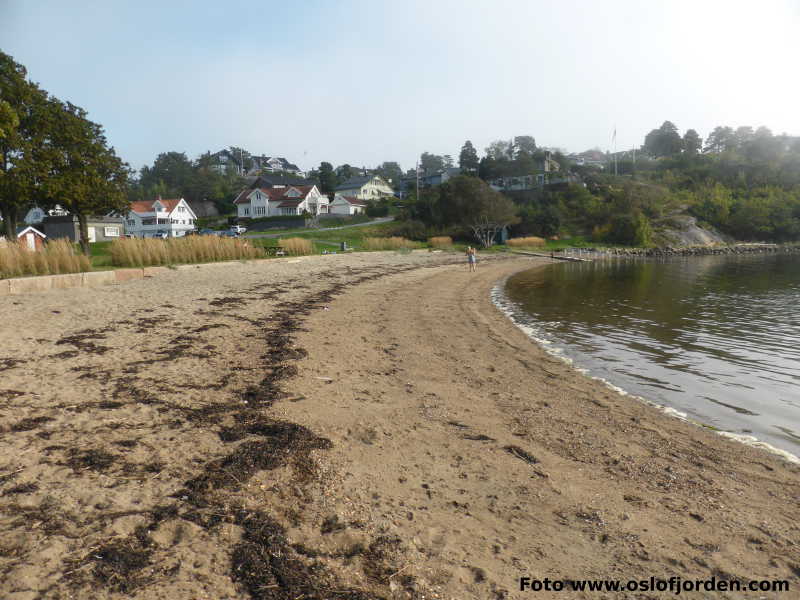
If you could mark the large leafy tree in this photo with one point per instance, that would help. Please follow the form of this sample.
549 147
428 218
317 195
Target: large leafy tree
470 202
390 171
24 127
86 175
664 141
173 169
431 163
327 178
692 142
721 139
524 144
468 159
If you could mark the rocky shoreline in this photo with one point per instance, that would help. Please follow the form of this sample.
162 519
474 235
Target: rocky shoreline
689 250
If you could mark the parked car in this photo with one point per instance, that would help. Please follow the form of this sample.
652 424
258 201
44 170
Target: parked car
238 229
207 232
161 235
231 233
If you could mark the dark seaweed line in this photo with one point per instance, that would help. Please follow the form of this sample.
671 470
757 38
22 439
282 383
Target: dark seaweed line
264 562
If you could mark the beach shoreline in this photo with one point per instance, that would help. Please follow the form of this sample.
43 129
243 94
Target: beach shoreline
427 447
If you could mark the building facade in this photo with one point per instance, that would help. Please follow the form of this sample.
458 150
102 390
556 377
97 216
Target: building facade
159 217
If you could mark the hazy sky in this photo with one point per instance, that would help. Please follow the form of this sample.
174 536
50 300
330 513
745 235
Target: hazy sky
364 82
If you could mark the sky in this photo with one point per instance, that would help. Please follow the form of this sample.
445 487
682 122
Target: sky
362 82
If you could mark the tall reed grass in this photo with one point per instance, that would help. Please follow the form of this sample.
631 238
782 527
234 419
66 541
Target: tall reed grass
146 252
388 243
530 241
440 241
57 257
296 246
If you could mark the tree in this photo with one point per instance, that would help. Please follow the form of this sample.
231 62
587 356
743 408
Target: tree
448 161
327 178
173 169
87 177
468 159
470 202
390 171
524 143
500 150
344 172
720 140
692 142
664 141
22 161
431 163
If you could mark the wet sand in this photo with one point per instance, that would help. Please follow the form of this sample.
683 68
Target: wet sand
364 426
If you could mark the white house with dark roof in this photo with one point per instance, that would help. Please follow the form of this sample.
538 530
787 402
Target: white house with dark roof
347 205
278 200
368 187
150 218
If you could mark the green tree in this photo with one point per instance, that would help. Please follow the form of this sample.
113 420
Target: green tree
23 164
468 159
431 163
87 177
390 171
344 172
664 141
524 143
721 139
327 178
471 203
692 142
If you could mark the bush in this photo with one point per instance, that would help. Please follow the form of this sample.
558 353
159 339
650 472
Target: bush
526 242
146 252
57 257
296 246
413 230
388 243
440 241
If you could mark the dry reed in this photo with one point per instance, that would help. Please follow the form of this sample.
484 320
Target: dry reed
57 257
296 246
146 252
388 243
530 241
440 241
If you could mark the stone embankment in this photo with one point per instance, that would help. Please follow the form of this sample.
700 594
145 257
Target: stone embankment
688 250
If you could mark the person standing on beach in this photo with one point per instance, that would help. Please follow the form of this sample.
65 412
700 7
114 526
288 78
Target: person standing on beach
472 258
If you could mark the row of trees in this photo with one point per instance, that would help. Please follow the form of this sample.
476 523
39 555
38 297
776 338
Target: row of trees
173 174
50 152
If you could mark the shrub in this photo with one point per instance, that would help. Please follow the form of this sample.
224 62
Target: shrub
145 252
529 241
388 243
57 257
440 241
296 246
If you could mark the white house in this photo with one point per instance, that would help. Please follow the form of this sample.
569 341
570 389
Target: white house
347 205
253 203
173 217
369 187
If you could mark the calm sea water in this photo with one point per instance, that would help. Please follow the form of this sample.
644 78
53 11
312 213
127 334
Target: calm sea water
715 337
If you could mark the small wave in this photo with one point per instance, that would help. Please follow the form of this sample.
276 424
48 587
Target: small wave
508 308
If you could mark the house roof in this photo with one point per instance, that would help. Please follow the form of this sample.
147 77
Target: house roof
275 194
145 206
26 228
355 201
270 179
355 182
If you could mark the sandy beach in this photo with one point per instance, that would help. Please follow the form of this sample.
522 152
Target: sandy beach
349 427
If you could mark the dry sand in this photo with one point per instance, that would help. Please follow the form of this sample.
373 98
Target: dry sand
348 427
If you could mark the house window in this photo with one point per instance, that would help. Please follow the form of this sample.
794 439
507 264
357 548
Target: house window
246 212
111 231
131 223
